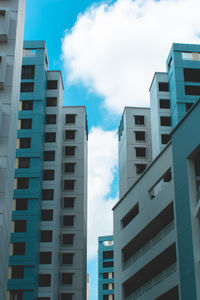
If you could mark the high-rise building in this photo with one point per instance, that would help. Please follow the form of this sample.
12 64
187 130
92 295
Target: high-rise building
11 44
105 268
48 239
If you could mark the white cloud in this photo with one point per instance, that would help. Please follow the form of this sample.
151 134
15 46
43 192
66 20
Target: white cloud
114 49
102 154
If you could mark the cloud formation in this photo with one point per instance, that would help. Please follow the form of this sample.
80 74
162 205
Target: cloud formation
114 49
102 155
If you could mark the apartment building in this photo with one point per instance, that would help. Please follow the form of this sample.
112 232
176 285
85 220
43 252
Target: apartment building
11 41
105 268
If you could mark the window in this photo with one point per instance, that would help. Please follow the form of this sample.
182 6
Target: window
20 226
133 212
68 220
165 121
70 118
163 86
48 174
19 248
69 184
22 183
52 84
67 258
69 167
108 297
66 296
47 194
49 155
50 119
188 106
23 162
17 272
160 184
16 295
68 202
191 75
51 101
139 120
105 286
46 236
47 214
107 254
24 143
50 137
27 87
26 123
67 278
108 275
21 204
140 152
140 135
107 264
43 298
44 280
192 90
165 138
164 103
45 258
140 168
27 105
68 239
69 150
28 72
70 134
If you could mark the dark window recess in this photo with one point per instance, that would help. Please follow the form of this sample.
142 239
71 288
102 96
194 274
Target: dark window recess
70 134
164 103
24 143
191 75
165 138
68 202
46 236
69 150
43 298
47 194
188 106
66 296
67 278
26 123
69 184
19 248
28 72
51 101
50 119
20 226
49 155
108 297
23 162
22 183
16 295
192 90
165 121
44 279
139 120
47 214
105 275
130 215
50 137
68 239
68 220
107 264
105 286
107 254
48 174
17 272
140 152
27 105
140 168
52 84
21 204
157 187
140 135
171 294
67 258
168 176
163 86
69 167
70 118
45 258
27 87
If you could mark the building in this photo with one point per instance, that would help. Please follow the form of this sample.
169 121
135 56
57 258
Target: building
105 268
134 146
48 239
11 41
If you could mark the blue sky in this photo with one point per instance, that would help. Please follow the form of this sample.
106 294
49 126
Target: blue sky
108 52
